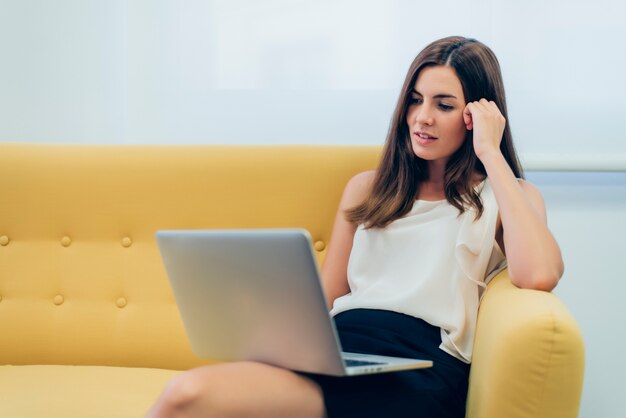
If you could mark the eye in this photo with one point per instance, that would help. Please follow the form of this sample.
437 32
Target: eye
445 107
413 99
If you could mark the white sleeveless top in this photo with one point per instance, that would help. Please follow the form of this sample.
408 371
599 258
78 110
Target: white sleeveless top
432 264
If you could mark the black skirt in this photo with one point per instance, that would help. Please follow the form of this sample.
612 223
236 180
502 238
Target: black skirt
440 391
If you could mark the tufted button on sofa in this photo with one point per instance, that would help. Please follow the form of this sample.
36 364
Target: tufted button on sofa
89 324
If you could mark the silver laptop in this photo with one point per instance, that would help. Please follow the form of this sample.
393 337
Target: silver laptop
256 295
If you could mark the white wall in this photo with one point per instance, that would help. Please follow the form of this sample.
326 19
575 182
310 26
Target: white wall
295 71
62 70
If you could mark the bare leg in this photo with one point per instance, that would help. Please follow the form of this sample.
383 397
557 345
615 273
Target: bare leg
244 389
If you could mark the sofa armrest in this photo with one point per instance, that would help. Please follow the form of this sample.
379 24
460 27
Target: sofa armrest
528 356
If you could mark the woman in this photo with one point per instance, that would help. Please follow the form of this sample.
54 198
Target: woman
413 246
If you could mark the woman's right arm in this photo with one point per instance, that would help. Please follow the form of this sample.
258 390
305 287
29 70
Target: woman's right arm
335 267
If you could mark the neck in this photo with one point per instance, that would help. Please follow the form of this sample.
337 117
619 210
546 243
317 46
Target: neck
436 172
432 188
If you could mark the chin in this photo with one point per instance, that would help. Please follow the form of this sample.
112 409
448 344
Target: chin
418 152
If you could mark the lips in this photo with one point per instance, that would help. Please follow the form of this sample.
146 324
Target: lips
424 138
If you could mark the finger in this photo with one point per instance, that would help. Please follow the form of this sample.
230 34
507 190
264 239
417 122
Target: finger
475 109
493 106
486 103
482 105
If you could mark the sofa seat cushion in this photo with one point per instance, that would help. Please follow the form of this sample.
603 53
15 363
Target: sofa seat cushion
79 391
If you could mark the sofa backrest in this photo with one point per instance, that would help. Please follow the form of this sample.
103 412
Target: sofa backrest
81 279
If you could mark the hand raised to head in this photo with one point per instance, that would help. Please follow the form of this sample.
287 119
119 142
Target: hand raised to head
487 122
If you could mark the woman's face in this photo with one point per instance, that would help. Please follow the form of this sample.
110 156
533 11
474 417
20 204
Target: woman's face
435 114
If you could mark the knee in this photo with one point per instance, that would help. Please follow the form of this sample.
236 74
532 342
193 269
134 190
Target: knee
179 396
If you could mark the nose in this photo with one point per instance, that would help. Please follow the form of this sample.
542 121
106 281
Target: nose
424 116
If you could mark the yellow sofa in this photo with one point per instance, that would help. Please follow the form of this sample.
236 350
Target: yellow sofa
89 326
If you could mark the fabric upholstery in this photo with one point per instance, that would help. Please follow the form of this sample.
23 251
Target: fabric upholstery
89 323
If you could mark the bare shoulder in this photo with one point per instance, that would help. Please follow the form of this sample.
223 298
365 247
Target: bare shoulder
358 188
363 180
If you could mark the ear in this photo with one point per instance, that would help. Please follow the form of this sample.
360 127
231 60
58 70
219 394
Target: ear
467 119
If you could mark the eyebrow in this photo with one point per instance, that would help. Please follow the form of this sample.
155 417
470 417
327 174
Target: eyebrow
437 96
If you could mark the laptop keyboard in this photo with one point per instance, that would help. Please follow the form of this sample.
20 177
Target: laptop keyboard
354 363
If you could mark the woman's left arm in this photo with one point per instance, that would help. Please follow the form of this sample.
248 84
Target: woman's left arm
533 255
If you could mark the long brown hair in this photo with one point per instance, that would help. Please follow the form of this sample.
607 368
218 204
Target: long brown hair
400 172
